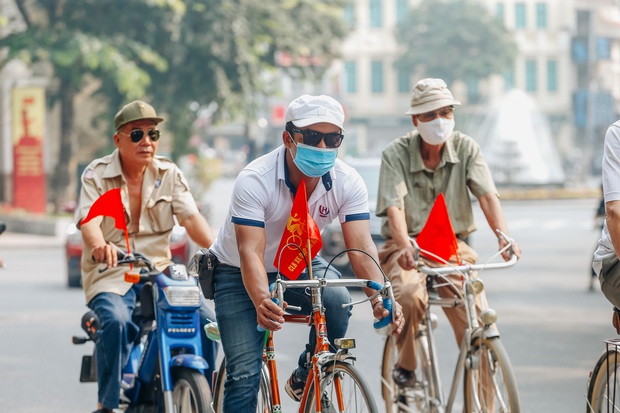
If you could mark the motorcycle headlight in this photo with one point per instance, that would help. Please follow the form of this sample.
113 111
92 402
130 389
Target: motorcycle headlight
183 296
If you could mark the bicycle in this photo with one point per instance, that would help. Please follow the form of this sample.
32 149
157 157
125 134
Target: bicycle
603 384
489 381
334 383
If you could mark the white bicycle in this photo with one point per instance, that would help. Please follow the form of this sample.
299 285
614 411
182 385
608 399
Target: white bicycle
489 381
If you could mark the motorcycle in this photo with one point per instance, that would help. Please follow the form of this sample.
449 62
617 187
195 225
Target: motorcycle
165 369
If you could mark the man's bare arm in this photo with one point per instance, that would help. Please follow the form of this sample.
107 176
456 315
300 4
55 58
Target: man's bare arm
199 230
612 216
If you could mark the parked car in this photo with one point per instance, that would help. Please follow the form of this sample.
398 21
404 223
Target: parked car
333 241
179 247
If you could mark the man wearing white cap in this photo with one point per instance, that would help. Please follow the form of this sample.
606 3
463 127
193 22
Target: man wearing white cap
415 169
248 241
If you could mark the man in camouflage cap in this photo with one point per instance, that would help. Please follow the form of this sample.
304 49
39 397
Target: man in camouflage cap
154 192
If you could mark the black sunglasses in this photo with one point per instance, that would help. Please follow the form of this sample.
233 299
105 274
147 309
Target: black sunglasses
136 135
313 138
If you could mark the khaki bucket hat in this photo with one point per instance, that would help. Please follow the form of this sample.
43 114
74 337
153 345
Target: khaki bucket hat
430 94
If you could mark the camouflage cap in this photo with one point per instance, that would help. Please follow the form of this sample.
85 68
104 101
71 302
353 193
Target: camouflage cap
133 111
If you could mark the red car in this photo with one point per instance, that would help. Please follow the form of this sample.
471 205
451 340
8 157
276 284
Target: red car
179 247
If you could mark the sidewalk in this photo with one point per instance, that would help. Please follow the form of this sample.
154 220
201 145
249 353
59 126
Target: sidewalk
16 240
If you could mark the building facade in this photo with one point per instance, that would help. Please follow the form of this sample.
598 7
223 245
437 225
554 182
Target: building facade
547 69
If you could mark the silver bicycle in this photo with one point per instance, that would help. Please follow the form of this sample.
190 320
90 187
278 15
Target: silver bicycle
604 385
489 381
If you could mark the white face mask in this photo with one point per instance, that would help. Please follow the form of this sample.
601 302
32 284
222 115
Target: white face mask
437 131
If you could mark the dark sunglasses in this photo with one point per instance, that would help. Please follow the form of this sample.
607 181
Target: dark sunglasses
136 135
313 138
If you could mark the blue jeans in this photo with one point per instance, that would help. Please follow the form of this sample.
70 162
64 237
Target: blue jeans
114 342
117 335
243 343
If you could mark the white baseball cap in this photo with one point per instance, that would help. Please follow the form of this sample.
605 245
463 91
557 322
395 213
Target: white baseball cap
307 110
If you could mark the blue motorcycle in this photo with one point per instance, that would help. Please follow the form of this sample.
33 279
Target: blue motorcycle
165 369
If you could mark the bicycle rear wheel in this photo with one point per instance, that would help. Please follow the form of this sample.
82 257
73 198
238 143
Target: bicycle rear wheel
604 386
353 390
419 399
264 396
490 384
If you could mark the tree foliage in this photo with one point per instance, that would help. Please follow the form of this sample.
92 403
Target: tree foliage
178 54
454 40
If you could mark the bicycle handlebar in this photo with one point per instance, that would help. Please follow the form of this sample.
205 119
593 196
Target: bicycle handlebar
466 268
279 286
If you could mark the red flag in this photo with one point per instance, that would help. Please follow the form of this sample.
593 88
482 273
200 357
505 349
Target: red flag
437 236
109 204
300 230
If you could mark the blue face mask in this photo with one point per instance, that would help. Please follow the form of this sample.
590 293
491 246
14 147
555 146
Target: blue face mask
314 162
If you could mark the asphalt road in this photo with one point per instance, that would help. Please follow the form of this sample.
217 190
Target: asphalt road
551 325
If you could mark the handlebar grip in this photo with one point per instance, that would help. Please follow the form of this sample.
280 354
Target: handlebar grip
375 285
385 321
260 328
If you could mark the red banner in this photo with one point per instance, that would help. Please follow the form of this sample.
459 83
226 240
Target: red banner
300 230
28 133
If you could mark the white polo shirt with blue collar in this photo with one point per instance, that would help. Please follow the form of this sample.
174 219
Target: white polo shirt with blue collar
263 197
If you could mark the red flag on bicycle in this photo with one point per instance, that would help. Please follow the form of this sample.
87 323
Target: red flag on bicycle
437 236
110 205
300 230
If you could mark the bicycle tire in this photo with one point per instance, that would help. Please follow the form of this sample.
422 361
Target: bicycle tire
488 370
420 399
264 396
356 393
601 398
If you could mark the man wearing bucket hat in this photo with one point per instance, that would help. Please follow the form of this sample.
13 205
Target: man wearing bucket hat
247 244
154 192
415 169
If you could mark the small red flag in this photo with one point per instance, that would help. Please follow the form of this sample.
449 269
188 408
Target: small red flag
109 204
437 236
300 230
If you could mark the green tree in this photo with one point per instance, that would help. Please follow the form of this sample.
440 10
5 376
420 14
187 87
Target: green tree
454 40
76 41
178 53
223 48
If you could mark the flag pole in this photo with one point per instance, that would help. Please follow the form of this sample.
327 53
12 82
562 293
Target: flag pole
309 258
128 249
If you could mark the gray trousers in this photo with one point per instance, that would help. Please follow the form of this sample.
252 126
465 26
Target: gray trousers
610 279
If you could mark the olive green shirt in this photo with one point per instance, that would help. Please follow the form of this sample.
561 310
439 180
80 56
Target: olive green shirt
165 195
407 184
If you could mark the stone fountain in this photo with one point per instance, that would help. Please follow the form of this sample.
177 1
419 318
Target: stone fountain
516 141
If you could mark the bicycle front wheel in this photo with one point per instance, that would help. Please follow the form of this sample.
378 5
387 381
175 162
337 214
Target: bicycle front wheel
342 381
419 399
604 385
490 384
264 396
